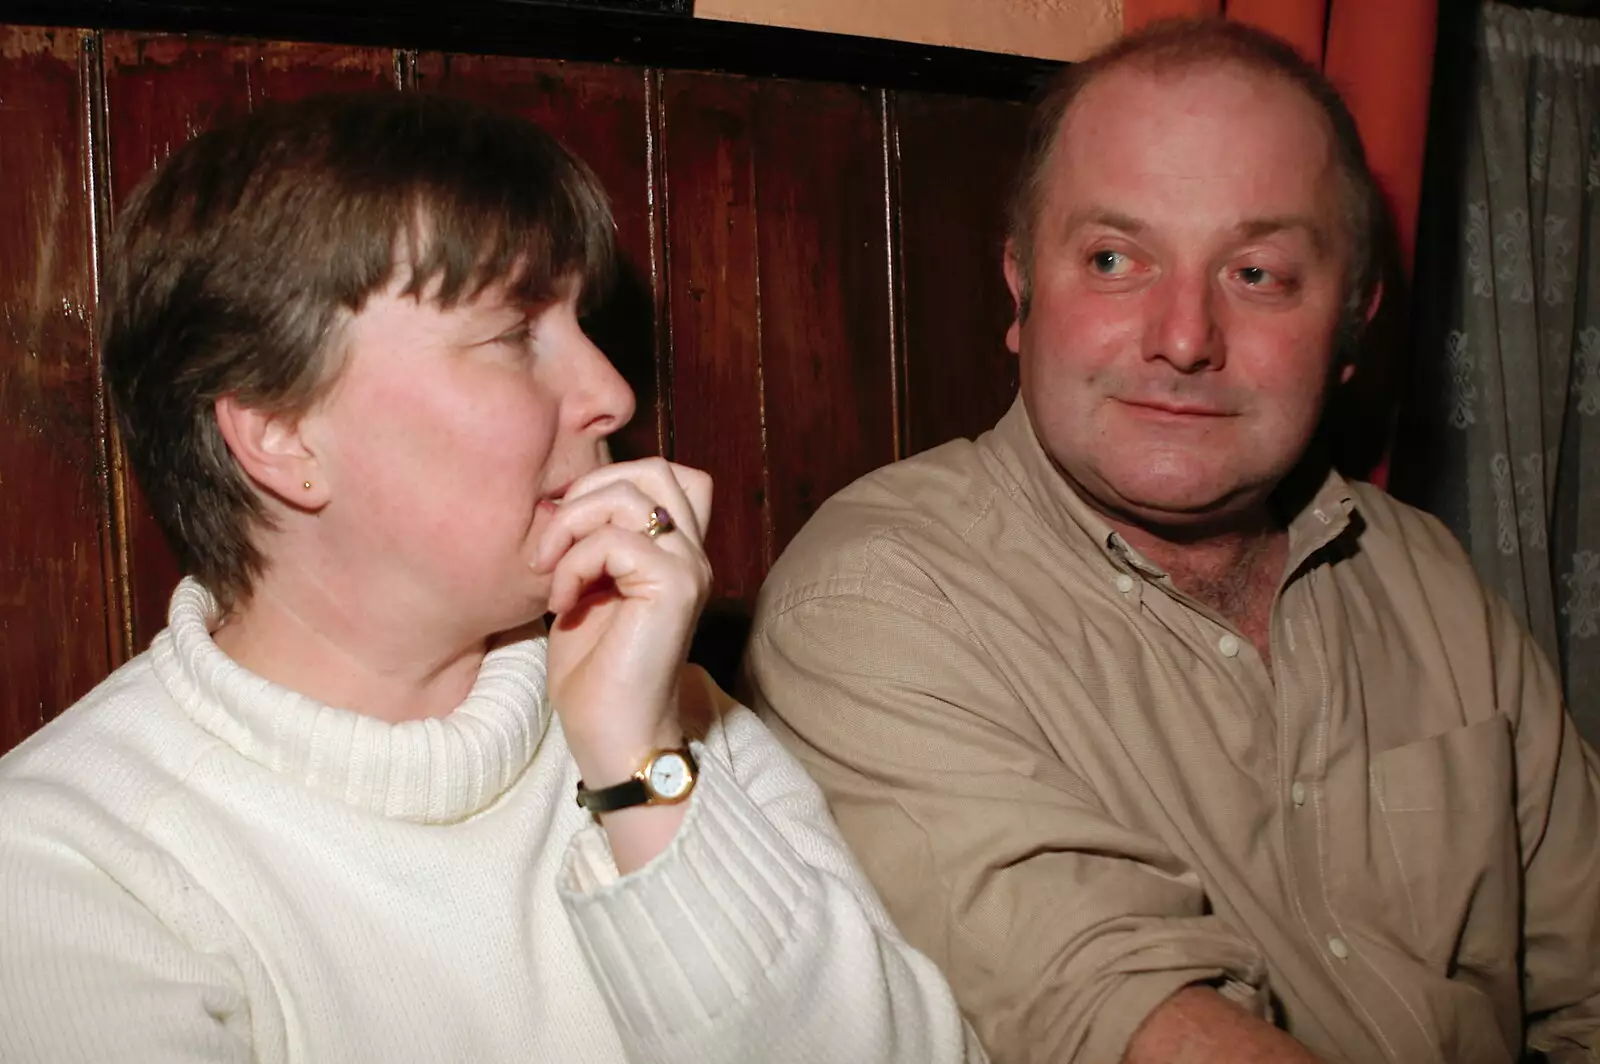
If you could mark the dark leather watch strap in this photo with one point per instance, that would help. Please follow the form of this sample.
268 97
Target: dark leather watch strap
636 791
622 795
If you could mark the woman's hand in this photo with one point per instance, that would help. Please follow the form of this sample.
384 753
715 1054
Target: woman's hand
626 605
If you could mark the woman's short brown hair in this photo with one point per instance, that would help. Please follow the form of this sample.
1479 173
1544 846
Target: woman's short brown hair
235 263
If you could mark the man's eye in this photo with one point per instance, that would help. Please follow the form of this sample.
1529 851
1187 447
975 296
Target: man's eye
1110 263
1262 279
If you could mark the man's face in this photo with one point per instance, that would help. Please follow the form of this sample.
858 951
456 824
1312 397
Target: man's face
1187 289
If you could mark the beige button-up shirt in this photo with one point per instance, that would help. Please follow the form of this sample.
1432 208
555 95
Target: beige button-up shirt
1079 789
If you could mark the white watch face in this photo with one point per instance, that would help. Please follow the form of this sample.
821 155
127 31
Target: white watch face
669 776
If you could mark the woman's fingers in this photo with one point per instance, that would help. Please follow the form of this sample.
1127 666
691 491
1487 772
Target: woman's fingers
636 565
627 495
621 504
685 492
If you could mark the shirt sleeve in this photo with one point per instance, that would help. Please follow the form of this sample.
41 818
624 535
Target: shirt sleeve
1558 808
1060 928
755 935
87 972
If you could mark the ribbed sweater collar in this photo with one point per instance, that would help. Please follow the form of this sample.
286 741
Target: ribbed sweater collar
438 770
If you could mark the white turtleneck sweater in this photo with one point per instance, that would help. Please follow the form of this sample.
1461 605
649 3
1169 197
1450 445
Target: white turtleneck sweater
199 865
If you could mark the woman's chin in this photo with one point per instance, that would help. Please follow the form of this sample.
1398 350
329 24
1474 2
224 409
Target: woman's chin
518 612
517 633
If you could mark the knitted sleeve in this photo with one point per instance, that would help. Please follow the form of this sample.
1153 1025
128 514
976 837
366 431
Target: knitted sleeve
755 935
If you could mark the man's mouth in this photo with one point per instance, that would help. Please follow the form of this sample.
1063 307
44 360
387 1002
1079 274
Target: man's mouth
1178 407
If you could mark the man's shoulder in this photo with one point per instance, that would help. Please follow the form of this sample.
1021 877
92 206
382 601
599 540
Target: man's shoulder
1400 531
1411 568
891 521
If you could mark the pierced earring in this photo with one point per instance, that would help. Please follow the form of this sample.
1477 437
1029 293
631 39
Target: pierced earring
306 485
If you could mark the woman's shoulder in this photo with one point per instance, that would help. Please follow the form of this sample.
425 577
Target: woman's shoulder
117 750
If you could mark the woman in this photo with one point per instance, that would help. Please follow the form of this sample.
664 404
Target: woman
330 815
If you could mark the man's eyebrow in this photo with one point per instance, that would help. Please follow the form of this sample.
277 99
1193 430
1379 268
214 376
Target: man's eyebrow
1253 229
1256 228
1100 216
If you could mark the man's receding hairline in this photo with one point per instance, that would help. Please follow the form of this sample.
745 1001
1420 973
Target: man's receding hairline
1159 68
1152 66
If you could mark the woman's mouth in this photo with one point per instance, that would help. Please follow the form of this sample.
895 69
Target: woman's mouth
551 501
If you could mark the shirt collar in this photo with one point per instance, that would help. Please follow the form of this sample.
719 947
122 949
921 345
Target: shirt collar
1318 522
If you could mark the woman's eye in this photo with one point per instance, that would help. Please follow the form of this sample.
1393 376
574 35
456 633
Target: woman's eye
517 337
1109 263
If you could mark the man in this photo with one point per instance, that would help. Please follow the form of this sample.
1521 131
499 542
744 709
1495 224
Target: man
1168 743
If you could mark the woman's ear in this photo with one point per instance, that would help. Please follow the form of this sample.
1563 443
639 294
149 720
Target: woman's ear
272 452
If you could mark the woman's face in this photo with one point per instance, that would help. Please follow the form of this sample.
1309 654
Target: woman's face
446 441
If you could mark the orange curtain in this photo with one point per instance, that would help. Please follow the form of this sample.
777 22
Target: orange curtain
1300 22
1380 55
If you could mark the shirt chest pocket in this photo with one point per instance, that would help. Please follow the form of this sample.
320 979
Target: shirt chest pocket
1447 806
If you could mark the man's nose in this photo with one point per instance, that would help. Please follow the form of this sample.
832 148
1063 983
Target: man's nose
1183 330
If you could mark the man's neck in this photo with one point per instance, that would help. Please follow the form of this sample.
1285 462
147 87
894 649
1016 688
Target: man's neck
1235 568
298 635
1205 556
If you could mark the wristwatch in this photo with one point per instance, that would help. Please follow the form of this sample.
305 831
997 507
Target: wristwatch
666 778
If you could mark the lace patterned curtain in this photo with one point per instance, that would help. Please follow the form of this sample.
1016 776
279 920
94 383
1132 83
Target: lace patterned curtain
1510 345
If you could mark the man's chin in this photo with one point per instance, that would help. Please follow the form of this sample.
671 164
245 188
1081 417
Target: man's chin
1189 505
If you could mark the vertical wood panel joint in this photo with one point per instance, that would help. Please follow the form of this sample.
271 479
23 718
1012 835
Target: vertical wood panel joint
756 115
895 279
655 126
405 69
115 560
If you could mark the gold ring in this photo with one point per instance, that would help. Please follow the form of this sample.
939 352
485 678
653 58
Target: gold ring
660 523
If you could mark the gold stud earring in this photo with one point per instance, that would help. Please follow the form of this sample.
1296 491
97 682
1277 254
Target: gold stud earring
306 485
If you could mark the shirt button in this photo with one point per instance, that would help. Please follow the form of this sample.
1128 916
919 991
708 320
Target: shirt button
1124 583
1338 948
1297 794
1229 645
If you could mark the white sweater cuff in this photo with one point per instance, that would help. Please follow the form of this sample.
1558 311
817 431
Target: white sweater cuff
696 931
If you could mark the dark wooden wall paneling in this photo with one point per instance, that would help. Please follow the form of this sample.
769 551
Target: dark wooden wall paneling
811 289
955 170
708 162
54 640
